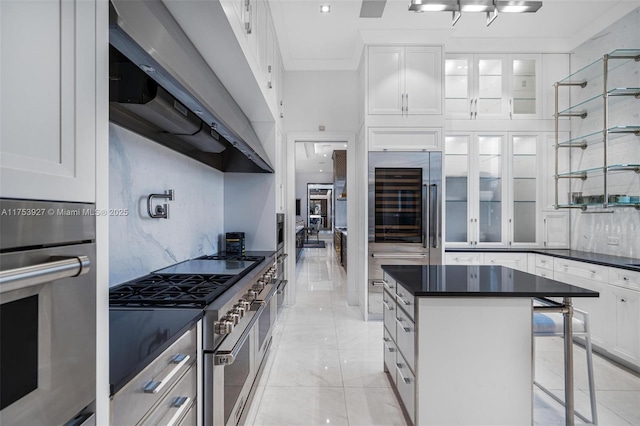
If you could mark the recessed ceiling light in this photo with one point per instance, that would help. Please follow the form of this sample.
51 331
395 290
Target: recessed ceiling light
325 155
320 170
345 145
325 8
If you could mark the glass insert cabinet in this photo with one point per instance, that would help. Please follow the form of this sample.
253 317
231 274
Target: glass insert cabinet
484 86
492 189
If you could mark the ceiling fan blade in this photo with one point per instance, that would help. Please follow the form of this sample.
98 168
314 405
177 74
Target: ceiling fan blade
372 8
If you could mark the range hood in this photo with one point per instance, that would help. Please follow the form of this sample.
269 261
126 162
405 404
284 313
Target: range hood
161 87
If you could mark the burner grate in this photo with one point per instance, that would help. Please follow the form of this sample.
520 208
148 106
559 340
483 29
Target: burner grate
172 290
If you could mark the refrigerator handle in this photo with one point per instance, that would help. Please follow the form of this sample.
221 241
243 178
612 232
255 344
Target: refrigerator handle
425 212
435 216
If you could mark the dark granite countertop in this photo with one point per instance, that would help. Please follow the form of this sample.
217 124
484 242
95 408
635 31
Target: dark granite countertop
138 336
582 256
478 281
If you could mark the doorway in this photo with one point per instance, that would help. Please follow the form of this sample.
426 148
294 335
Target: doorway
321 211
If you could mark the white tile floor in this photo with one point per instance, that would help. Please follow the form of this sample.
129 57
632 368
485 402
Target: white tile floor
325 366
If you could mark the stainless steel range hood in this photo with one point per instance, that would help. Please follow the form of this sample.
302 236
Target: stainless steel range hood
162 88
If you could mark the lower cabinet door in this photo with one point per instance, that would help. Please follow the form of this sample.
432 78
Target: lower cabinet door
390 351
406 385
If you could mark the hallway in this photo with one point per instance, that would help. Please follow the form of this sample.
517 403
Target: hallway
326 363
325 367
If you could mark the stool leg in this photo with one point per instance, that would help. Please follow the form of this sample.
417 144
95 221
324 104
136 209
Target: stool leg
592 387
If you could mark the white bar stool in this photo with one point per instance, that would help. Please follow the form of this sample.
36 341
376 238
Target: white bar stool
552 324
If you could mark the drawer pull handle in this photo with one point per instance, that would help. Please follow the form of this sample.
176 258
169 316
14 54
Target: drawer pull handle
386 285
181 403
386 339
405 329
623 300
592 271
625 278
156 386
406 302
399 370
386 304
377 283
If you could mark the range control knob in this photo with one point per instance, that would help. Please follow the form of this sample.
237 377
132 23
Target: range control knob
243 304
232 317
251 295
259 286
239 310
222 327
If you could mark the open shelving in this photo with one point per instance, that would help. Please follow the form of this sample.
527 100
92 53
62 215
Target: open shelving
598 72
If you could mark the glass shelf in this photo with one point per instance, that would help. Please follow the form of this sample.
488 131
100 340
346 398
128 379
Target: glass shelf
599 170
597 137
586 205
615 95
596 68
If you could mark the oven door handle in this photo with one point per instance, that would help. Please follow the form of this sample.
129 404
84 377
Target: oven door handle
58 268
229 357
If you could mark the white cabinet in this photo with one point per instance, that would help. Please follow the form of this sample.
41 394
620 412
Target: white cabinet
404 138
592 277
555 227
623 308
493 86
48 111
405 80
492 193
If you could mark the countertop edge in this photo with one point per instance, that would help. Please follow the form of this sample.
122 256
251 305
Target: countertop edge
548 252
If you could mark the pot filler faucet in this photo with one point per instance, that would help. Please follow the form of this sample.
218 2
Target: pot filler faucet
160 211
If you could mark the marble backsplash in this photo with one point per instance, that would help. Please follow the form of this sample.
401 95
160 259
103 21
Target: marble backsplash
592 232
139 244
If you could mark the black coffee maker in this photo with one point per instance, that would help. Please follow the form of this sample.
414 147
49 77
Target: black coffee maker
235 244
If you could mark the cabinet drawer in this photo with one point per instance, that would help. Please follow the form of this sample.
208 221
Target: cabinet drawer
405 337
390 351
389 283
405 300
172 408
624 278
406 384
544 262
463 258
132 402
510 260
581 270
546 273
389 313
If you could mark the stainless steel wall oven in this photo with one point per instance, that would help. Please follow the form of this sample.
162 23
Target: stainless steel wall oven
47 311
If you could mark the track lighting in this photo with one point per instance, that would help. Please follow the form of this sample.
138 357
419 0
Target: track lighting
490 7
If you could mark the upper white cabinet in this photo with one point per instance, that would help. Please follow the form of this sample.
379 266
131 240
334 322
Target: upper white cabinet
48 111
405 80
484 86
404 139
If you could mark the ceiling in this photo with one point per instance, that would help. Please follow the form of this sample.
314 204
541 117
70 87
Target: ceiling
315 157
310 40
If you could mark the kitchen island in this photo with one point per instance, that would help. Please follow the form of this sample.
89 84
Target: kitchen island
458 341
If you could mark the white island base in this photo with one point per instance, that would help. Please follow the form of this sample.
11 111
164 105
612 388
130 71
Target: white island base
474 363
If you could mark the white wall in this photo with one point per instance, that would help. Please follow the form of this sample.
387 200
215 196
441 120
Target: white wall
139 244
316 98
591 231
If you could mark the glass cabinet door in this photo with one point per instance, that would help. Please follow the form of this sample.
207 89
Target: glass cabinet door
490 99
524 173
457 87
491 191
456 167
525 99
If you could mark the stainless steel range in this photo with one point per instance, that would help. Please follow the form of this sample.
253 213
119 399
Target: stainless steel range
236 293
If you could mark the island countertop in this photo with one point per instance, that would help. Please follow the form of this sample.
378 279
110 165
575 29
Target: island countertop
478 281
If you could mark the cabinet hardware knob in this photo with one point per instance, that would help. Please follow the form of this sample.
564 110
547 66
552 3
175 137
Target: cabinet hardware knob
623 300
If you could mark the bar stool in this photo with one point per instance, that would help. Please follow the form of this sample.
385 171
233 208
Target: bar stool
552 324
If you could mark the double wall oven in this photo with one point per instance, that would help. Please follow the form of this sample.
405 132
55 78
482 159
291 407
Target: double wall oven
47 312
405 210
237 295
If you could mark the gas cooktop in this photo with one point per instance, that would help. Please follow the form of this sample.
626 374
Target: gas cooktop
191 284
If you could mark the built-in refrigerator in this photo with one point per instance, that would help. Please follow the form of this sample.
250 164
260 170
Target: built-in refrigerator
405 215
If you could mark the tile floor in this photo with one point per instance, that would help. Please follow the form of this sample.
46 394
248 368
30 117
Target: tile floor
325 366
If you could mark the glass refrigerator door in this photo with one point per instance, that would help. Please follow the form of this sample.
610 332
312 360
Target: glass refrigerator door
398 205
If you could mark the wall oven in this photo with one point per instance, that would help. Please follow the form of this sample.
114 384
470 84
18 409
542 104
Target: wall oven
47 311
404 220
279 232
